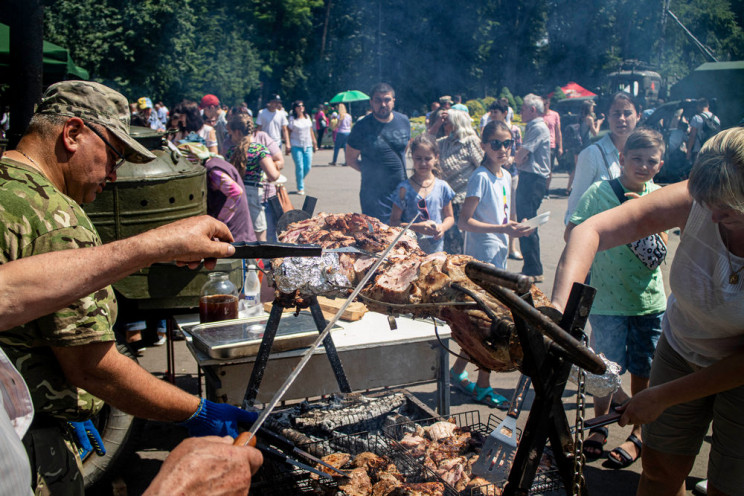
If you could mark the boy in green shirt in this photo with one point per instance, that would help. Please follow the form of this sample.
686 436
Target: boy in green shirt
630 302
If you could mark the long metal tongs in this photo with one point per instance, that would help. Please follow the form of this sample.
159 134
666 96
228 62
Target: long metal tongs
245 437
264 249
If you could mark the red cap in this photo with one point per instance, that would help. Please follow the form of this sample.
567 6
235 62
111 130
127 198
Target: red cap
208 101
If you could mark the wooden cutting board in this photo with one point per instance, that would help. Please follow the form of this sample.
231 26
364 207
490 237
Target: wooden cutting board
353 312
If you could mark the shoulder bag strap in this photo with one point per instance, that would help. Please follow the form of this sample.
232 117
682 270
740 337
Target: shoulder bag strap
387 142
604 157
618 189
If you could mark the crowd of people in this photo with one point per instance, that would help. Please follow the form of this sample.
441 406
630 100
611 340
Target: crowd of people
469 193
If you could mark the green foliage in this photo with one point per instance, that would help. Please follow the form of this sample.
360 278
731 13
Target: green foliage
312 49
518 104
487 101
475 107
558 95
505 93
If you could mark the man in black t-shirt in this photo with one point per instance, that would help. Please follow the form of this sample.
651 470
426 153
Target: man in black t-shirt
376 147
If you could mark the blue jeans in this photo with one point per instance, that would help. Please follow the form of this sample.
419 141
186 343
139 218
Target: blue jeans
303 159
339 144
530 193
630 341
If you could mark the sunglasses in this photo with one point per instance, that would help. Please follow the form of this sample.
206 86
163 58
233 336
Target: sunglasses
422 209
121 160
496 144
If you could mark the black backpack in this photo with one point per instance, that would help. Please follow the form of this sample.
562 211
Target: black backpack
711 127
572 137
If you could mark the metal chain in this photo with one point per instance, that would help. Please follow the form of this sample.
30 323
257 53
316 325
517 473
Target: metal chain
579 482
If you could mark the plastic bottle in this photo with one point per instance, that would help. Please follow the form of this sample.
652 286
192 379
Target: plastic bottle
252 292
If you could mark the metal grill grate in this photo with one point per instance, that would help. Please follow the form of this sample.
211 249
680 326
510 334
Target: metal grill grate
546 483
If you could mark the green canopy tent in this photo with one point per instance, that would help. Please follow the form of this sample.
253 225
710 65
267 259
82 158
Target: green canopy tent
58 64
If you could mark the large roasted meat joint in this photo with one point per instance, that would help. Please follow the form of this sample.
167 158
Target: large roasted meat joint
408 282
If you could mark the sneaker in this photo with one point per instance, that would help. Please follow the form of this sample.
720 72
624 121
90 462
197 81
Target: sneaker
539 278
161 340
331 163
300 191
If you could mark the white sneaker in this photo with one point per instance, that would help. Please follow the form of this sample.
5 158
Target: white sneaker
702 487
161 340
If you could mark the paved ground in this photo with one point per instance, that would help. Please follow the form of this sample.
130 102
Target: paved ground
337 191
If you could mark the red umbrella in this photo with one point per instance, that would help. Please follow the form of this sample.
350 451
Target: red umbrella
574 90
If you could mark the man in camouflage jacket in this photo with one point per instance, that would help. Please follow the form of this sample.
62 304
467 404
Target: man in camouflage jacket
75 142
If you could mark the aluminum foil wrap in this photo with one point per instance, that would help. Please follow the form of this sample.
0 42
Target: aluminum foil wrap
312 276
600 385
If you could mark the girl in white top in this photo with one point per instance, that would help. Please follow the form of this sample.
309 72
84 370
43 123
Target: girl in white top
302 139
698 370
601 161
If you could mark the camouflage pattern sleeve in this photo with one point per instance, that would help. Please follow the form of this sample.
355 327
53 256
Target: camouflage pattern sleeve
36 218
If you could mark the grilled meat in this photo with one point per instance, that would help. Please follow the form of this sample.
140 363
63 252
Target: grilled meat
409 282
337 460
359 483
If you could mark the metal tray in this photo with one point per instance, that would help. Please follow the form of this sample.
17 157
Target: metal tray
242 337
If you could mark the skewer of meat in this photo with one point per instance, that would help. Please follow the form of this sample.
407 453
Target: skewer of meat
409 282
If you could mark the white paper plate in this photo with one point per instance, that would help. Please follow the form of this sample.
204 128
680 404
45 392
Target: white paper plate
538 220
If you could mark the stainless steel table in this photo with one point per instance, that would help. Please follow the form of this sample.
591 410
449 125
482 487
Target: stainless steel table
373 355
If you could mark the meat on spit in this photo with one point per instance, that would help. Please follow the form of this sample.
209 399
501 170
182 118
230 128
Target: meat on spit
408 282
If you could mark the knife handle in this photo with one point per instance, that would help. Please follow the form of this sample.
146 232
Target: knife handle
245 439
609 418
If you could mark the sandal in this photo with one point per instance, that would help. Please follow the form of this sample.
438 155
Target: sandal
489 397
461 382
596 447
625 459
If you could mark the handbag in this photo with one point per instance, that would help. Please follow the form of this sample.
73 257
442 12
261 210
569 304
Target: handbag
650 250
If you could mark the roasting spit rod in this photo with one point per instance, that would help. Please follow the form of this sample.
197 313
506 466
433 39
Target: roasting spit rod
577 352
244 439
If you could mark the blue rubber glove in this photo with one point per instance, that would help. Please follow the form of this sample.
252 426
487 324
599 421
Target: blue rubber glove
88 438
217 419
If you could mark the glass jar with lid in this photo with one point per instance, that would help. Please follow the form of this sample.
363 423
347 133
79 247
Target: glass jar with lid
218 299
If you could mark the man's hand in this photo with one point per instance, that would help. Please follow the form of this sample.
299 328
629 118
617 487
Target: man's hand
207 465
217 419
189 241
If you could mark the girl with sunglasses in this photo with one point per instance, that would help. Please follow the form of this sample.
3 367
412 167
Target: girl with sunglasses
425 194
486 220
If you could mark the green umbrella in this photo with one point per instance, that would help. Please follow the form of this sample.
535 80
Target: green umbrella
349 96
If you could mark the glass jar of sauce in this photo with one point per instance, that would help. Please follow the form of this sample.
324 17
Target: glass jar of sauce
218 299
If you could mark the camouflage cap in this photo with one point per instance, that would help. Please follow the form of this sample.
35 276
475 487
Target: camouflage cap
94 102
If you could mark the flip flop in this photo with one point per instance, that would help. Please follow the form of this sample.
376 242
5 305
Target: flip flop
596 446
461 382
625 459
489 397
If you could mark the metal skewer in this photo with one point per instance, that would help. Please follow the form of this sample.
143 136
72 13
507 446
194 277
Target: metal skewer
244 438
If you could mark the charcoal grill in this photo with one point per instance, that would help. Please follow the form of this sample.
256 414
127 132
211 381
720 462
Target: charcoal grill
353 438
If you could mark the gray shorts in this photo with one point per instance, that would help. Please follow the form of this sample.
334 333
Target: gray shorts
681 429
254 196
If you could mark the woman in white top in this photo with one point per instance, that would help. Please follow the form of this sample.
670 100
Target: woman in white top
601 161
302 139
342 133
697 374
